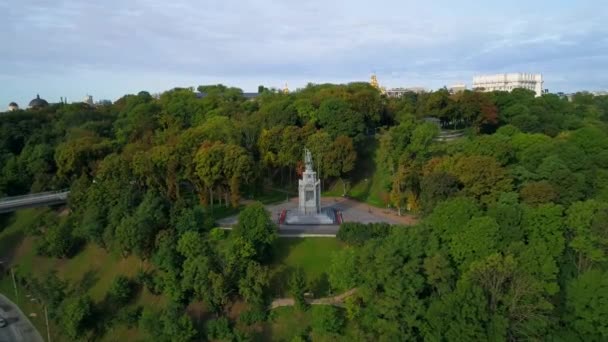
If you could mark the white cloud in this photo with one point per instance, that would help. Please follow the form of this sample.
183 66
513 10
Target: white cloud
404 41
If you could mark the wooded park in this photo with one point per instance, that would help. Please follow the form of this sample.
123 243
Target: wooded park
510 240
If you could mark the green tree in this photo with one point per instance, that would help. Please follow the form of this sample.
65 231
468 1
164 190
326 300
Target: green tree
121 290
219 329
223 167
168 325
192 244
136 232
423 137
254 283
512 293
436 187
290 150
196 276
586 223
482 177
75 316
59 240
337 118
538 192
320 146
297 287
343 270
340 159
543 228
448 218
586 304
462 315
78 156
327 319
439 273
256 227
476 240
165 255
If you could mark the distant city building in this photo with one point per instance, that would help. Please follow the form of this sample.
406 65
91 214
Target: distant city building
13 107
600 93
38 103
457 88
398 92
88 100
508 82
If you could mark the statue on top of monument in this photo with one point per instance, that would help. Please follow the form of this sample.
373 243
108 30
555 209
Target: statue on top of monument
307 159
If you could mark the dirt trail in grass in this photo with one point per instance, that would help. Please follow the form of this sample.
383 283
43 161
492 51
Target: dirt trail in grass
337 300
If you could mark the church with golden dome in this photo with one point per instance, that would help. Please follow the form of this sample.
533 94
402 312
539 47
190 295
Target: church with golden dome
374 83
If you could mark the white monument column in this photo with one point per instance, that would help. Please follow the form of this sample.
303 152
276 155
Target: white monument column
309 188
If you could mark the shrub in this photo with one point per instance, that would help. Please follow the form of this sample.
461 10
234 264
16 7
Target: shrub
218 234
129 316
355 233
121 290
252 316
297 287
327 319
148 279
219 329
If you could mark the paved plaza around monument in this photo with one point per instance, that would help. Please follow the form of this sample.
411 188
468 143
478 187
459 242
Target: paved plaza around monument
352 211
310 215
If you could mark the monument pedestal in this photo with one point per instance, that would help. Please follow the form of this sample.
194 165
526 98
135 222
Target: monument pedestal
309 206
325 216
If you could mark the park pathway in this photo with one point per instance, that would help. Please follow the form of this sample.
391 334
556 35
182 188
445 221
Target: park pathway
337 300
19 328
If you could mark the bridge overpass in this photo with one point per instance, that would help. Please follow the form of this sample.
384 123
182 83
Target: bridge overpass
42 199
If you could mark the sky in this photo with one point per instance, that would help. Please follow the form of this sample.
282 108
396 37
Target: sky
108 48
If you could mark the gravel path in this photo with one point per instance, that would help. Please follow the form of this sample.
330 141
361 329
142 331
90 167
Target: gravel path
337 300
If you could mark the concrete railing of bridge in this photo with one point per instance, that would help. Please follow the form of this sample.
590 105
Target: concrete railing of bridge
9 204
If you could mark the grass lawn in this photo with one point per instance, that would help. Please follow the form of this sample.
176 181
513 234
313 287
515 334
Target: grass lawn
312 255
12 227
92 269
285 323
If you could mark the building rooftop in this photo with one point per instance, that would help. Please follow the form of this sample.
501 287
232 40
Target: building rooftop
38 102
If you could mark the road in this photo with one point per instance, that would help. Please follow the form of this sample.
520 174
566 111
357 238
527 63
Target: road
19 328
9 204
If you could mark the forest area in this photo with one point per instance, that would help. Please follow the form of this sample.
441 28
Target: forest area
511 242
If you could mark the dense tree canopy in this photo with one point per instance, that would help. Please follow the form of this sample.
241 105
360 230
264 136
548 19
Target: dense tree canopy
511 244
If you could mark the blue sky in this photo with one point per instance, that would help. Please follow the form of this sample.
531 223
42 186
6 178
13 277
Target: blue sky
107 48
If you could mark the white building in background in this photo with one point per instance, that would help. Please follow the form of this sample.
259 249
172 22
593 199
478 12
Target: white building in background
398 92
13 107
457 88
508 82
88 100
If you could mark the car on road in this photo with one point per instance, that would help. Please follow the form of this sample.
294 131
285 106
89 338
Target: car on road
2 322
